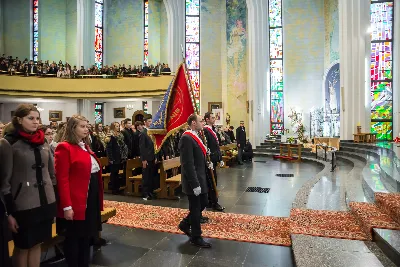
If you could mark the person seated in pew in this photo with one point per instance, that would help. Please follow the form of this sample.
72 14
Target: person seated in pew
146 70
80 187
248 152
166 69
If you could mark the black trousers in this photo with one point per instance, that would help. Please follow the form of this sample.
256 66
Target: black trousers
240 154
114 176
77 251
148 180
212 195
196 206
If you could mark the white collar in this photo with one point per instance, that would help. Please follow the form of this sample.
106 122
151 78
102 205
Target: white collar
82 145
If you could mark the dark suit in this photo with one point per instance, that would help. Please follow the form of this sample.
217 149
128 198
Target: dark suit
146 147
128 139
241 140
215 157
193 166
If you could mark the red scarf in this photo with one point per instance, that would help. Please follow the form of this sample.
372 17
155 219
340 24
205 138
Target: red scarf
37 138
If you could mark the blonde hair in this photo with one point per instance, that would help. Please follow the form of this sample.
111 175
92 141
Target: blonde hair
113 128
69 131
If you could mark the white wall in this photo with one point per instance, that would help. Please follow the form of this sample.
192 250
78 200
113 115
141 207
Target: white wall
68 109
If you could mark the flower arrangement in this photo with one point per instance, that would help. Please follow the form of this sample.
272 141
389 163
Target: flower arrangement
298 126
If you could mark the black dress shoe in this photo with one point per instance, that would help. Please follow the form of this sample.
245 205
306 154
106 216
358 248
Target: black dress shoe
199 242
185 228
218 207
204 219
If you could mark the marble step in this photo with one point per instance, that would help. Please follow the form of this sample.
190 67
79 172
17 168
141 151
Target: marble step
389 242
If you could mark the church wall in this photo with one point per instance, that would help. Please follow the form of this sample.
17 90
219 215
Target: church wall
71 53
163 34
137 105
304 47
124 32
17 28
210 49
331 17
154 31
236 61
52 30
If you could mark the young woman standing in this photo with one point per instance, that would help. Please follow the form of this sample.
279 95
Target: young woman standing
28 188
81 192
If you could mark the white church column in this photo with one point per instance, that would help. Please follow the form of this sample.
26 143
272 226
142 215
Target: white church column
354 41
176 31
396 71
85 33
84 108
258 65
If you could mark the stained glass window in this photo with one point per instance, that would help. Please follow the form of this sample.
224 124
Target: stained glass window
98 113
146 32
35 43
98 41
276 66
382 69
192 38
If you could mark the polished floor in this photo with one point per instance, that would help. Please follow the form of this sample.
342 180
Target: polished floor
136 247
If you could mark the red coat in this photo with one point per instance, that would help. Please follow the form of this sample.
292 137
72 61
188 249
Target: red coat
73 169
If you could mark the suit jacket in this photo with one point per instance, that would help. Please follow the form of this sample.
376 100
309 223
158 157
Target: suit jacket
128 139
146 147
241 136
193 165
73 170
213 145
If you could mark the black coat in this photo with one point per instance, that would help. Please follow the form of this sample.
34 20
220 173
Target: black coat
241 136
231 135
128 139
113 151
213 145
135 144
146 147
97 146
193 166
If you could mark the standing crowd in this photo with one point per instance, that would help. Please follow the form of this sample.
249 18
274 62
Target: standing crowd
54 171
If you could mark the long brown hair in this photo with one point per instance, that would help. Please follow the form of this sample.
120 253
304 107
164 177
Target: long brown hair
69 133
22 110
113 128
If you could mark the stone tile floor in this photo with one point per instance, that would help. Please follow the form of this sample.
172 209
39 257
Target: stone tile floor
137 247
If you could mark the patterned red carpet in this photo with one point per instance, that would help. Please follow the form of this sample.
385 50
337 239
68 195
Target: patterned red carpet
389 204
335 224
238 227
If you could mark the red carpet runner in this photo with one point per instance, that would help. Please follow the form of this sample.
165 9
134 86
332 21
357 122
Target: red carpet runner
355 224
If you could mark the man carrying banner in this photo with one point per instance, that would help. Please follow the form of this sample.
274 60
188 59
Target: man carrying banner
194 182
215 156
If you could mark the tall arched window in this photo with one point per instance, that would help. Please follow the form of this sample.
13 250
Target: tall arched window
382 69
98 24
192 40
276 66
146 32
35 28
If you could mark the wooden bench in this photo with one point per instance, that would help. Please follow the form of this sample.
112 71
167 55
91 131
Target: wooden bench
136 180
56 239
168 185
227 158
106 176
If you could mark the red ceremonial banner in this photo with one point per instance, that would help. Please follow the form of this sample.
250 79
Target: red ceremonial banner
178 108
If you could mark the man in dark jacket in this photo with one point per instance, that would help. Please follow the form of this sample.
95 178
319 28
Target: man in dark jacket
230 133
241 141
128 137
194 181
147 156
215 156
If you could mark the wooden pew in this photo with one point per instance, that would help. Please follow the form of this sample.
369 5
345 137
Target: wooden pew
227 158
136 180
56 239
168 185
106 176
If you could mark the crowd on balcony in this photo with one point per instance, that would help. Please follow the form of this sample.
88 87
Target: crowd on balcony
14 66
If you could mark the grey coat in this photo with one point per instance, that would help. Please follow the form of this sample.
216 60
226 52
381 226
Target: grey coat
193 166
26 197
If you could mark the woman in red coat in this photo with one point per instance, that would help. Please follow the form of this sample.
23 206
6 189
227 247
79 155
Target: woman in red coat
80 189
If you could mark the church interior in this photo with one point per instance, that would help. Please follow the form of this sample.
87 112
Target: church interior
298 97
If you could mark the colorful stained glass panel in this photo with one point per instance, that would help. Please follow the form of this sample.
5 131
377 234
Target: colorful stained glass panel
381 86
382 21
381 61
192 7
35 2
98 59
146 44
98 43
146 57
277 128
276 69
193 56
383 129
98 15
276 43
192 29
277 110
382 112
275 13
